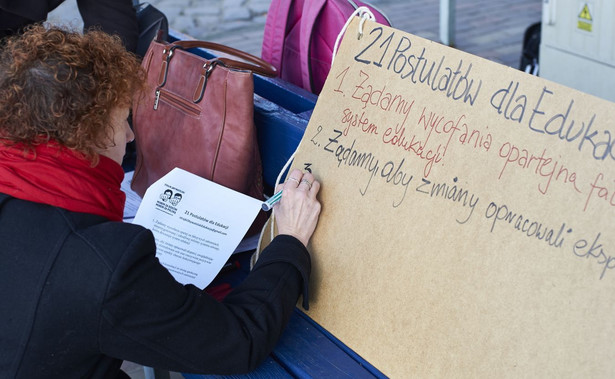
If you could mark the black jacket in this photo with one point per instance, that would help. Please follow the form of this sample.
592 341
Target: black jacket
112 16
79 293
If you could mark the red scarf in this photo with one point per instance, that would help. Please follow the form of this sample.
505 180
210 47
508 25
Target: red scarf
63 178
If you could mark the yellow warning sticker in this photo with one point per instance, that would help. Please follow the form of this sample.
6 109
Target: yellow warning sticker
585 19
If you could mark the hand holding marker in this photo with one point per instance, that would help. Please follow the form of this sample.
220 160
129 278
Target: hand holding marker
269 203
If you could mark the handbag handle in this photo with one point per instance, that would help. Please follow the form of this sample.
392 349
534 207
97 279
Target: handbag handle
255 64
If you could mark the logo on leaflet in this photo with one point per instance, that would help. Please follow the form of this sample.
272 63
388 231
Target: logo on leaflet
169 199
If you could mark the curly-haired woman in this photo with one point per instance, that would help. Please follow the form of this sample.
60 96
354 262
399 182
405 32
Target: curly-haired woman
79 290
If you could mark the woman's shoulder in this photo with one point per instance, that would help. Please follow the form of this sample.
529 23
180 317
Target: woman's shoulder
91 238
110 240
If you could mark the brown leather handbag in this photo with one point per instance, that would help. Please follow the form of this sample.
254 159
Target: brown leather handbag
198 114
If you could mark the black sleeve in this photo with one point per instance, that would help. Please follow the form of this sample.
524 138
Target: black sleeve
151 319
112 16
301 262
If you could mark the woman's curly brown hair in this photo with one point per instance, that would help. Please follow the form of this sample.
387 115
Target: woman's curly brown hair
62 85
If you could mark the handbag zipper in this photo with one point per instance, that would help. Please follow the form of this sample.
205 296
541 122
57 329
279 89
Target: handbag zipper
176 102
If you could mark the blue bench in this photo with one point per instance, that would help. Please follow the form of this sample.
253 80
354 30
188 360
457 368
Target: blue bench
306 350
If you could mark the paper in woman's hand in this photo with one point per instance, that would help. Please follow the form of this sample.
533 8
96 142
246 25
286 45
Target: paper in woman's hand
197 224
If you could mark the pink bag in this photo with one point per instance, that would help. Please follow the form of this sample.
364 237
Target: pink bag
300 36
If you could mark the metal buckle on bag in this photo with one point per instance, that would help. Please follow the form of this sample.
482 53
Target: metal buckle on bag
164 69
200 88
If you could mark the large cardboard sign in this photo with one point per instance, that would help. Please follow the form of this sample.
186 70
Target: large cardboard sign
468 220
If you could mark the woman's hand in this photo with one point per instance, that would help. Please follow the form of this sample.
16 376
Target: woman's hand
297 212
